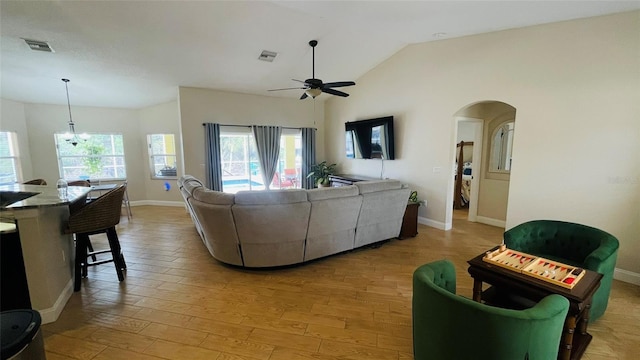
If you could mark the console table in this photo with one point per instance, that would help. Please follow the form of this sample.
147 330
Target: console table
347 179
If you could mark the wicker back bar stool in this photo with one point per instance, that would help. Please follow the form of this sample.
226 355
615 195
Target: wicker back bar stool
97 217
80 202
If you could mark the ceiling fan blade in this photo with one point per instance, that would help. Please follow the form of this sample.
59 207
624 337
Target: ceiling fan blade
292 88
334 92
304 96
338 84
299 81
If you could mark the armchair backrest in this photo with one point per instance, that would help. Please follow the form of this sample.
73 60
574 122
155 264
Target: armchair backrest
448 326
100 214
560 239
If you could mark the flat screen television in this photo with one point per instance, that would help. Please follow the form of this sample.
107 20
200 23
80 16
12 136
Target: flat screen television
370 139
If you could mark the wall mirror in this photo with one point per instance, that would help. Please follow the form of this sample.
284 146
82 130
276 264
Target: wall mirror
501 146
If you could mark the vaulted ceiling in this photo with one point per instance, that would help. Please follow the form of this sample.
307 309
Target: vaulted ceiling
132 54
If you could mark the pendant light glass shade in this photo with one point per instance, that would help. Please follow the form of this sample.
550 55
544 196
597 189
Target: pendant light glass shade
313 92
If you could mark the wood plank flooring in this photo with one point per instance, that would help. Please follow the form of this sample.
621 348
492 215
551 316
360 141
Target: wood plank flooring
177 302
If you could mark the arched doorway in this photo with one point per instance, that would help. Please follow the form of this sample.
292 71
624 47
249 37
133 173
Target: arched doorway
484 136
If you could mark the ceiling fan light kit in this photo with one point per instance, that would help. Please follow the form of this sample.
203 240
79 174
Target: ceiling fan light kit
313 92
314 87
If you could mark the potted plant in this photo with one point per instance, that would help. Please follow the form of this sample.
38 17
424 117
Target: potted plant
320 173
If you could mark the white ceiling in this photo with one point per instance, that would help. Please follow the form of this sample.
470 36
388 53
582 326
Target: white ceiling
133 54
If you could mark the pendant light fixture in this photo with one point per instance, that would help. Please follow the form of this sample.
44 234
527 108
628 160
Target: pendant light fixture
71 136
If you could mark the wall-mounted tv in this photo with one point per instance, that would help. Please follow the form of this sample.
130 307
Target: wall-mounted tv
370 139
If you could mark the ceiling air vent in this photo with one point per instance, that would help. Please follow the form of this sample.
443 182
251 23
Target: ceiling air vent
38 45
267 56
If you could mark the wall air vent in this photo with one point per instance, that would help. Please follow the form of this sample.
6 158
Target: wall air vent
38 45
267 56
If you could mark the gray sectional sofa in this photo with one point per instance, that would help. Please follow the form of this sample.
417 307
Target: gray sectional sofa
283 227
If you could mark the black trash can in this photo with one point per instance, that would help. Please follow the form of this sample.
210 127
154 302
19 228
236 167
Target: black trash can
21 336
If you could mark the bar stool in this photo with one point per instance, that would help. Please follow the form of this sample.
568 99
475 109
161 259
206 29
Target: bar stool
35 182
79 204
97 217
125 200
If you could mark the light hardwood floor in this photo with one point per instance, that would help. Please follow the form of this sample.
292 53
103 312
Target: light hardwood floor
177 302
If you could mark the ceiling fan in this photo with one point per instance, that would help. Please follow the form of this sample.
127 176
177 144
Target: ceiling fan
313 87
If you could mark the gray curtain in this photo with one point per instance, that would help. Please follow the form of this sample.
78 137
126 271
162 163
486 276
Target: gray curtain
308 156
268 146
212 165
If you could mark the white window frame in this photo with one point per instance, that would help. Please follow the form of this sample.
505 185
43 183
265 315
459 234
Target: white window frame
157 174
14 156
59 139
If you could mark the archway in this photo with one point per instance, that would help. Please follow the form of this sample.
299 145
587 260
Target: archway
482 188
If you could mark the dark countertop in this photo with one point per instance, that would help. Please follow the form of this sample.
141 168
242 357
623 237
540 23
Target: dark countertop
47 195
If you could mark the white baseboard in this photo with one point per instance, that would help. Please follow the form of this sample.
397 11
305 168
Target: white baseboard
51 314
627 276
433 223
156 203
490 221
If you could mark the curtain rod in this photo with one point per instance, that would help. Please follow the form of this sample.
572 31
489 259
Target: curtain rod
248 126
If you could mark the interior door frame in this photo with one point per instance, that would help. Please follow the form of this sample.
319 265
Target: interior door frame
477 163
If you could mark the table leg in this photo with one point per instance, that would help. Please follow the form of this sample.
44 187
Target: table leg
477 290
566 344
584 320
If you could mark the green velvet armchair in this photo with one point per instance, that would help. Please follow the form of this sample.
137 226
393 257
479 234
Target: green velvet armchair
572 244
449 326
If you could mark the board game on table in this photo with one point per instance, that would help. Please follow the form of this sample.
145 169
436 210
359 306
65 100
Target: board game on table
550 271
510 279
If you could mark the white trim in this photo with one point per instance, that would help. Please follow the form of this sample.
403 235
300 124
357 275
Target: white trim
51 314
433 223
156 203
490 221
626 276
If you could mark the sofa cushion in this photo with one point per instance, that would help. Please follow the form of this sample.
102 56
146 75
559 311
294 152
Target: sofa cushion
189 186
211 196
377 185
271 197
188 178
332 222
332 192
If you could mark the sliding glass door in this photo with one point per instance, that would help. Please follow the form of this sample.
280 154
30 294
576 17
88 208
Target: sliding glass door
241 167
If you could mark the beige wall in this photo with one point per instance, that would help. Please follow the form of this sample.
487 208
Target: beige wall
45 120
198 106
160 119
12 119
575 86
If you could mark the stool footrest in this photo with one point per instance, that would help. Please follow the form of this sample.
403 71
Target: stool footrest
99 262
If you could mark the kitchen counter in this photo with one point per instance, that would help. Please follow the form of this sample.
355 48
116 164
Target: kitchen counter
48 252
45 195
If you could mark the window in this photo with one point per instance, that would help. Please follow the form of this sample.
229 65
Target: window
241 167
162 156
239 159
9 164
101 157
501 147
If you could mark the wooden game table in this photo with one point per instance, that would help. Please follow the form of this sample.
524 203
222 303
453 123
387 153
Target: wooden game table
516 290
